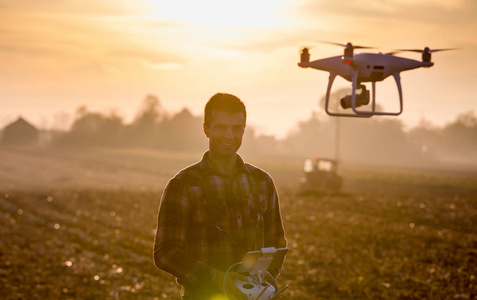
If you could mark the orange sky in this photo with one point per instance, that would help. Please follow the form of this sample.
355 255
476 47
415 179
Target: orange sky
108 55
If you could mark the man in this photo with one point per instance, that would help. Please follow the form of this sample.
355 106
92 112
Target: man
215 211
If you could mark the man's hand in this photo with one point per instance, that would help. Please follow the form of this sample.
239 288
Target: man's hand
268 277
231 289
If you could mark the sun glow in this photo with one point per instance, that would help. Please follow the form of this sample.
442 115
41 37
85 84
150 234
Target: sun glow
244 14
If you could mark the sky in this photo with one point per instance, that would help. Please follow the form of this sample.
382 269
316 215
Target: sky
59 55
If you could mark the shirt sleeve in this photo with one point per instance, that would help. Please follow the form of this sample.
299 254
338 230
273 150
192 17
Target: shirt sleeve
171 234
274 232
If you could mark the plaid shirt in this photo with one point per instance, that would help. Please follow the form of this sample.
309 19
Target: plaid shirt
207 219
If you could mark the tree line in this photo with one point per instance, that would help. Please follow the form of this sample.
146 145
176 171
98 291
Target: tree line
381 140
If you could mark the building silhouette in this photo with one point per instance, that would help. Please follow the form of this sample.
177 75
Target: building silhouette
20 132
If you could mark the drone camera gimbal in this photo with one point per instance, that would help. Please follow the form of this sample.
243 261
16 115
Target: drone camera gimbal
361 99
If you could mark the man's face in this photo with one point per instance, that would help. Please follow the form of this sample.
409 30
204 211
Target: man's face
225 132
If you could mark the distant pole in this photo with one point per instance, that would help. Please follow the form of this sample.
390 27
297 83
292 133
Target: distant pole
337 135
337 139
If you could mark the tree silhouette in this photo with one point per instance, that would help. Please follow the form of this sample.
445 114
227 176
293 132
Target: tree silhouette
366 141
94 129
183 132
145 130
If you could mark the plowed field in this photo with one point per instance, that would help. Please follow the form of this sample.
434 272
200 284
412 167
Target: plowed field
80 225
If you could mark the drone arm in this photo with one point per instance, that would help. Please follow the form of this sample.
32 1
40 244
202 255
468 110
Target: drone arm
397 78
328 91
374 95
354 85
353 98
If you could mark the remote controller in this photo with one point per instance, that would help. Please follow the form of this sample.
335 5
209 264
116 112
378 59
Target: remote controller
254 289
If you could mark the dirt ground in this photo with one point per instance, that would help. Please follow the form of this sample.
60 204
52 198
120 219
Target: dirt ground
79 224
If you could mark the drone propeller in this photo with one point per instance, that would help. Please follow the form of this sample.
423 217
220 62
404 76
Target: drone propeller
308 47
348 50
426 50
348 45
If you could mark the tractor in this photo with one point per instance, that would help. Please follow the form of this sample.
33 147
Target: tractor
321 176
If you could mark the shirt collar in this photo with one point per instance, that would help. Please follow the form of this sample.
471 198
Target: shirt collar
207 166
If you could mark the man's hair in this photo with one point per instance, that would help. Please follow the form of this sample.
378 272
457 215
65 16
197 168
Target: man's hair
223 102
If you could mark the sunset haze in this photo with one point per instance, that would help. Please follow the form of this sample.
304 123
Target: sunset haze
59 55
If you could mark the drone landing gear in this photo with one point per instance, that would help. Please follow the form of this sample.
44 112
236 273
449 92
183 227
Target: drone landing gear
348 100
373 111
355 100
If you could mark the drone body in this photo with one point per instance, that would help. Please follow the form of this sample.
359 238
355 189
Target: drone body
364 67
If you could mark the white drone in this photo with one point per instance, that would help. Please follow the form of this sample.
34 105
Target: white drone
365 67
